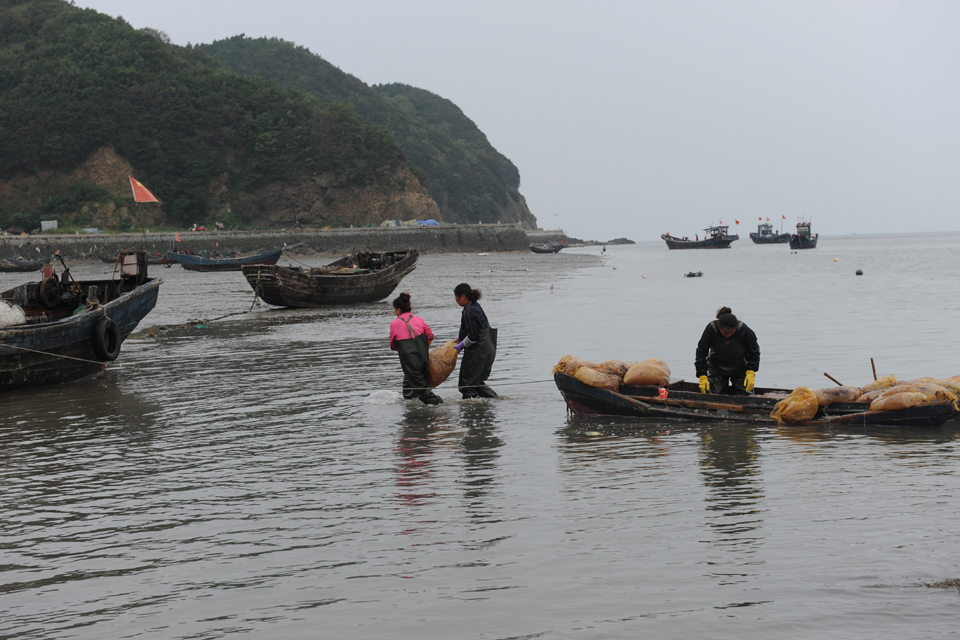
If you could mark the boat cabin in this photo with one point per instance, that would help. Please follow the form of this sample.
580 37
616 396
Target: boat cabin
803 229
715 232
765 229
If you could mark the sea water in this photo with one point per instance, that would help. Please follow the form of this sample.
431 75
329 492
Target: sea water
260 476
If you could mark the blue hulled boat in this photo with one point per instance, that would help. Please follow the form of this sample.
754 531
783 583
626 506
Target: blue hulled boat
194 262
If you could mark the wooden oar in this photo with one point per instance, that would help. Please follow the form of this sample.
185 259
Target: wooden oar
834 379
874 369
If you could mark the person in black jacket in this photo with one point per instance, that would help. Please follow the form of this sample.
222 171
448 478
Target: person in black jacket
728 356
477 341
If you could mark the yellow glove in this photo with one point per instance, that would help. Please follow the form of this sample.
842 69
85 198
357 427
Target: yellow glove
750 380
704 385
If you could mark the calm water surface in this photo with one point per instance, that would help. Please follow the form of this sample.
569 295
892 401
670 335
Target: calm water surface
259 475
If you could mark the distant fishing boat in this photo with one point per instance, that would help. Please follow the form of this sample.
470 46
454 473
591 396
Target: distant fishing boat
713 238
766 235
194 262
803 239
366 276
10 265
60 329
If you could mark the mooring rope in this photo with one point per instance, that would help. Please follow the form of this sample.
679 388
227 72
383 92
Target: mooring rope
55 355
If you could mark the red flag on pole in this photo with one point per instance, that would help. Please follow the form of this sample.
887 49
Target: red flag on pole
760 219
784 217
140 192
178 236
721 222
737 221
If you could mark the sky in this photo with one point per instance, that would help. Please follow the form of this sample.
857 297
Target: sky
638 118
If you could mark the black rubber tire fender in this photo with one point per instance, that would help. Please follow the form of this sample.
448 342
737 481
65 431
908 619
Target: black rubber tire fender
106 340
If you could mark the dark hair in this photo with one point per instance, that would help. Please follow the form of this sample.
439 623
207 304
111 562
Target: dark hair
463 289
402 302
726 318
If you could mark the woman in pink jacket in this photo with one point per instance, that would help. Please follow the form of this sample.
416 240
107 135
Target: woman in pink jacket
410 337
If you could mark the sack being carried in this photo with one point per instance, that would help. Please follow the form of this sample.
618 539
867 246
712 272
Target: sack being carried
801 405
443 360
649 372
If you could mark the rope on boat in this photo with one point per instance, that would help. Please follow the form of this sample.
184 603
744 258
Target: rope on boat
480 386
55 355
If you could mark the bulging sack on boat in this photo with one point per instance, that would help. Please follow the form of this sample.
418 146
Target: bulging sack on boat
952 386
11 315
443 360
870 396
930 392
880 383
597 379
801 405
898 401
570 364
614 367
829 395
649 372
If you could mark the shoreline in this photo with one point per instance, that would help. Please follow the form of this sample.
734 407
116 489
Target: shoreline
443 239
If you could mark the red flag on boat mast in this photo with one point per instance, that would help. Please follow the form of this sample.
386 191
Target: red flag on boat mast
737 221
140 192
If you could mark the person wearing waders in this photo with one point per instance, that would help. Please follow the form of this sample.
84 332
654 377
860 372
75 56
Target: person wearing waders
477 342
410 337
728 356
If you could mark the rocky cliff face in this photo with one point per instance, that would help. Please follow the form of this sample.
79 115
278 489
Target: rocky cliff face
321 200
327 200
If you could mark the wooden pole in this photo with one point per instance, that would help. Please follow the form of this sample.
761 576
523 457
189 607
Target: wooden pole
874 369
835 380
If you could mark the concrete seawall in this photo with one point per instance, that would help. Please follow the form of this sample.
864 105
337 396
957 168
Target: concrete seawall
442 239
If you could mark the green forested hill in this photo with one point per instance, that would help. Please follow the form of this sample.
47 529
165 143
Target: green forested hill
74 81
469 179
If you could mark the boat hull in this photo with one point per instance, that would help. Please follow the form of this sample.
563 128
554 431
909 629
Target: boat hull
192 262
553 249
682 403
709 243
42 354
290 287
803 242
777 238
152 258
21 266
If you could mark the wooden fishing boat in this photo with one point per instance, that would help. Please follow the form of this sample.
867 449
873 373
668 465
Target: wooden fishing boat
68 329
10 265
194 262
543 248
366 276
713 238
803 239
766 235
684 401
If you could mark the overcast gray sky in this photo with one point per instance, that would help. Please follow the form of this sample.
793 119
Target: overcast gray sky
636 118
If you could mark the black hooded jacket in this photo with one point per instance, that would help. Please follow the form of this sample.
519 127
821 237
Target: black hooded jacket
712 344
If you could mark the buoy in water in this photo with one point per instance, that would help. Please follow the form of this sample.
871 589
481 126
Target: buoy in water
836 259
859 272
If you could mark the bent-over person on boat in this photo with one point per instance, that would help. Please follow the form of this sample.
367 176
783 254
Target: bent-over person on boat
410 337
477 341
728 356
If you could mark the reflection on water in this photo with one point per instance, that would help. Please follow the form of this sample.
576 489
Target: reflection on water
258 475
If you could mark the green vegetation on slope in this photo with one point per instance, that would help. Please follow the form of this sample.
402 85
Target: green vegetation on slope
469 179
73 80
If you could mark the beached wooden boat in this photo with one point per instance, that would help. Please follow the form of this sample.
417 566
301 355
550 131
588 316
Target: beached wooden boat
53 342
152 258
194 262
11 265
713 238
685 402
366 276
544 248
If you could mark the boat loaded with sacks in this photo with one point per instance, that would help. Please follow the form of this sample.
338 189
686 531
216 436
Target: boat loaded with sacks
60 329
644 390
365 276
